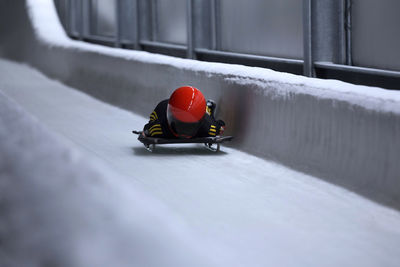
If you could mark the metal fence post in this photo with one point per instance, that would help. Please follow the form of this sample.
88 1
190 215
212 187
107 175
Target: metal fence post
136 44
80 25
67 17
86 18
119 26
349 60
308 67
144 16
190 29
154 24
70 18
215 25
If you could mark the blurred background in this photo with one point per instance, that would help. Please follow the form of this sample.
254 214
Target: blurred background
351 40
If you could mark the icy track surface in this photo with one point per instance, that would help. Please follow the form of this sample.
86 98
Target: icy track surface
262 213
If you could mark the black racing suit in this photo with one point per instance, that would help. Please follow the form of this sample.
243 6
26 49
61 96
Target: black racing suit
158 124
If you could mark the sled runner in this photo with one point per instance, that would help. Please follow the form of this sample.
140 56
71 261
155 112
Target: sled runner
212 143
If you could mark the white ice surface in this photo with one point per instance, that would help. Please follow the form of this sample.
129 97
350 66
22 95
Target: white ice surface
60 207
49 31
254 212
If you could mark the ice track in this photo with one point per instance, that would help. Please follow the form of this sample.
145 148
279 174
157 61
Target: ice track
262 213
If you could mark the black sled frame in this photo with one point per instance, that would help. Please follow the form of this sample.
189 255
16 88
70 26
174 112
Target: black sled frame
212 143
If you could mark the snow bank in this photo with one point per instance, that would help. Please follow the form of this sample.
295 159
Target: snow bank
60 208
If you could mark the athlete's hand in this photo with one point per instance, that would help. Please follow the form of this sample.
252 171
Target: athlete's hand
145 133
221 123
221 130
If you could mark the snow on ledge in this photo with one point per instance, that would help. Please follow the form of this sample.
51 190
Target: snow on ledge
49 30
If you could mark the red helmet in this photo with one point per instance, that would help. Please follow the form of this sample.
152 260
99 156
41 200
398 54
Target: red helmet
186 109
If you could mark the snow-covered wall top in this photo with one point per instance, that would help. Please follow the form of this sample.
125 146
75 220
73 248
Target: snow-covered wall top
344 133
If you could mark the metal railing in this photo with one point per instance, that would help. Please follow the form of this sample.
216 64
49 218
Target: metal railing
326 29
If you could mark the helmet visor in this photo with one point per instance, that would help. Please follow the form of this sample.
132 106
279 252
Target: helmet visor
183 129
